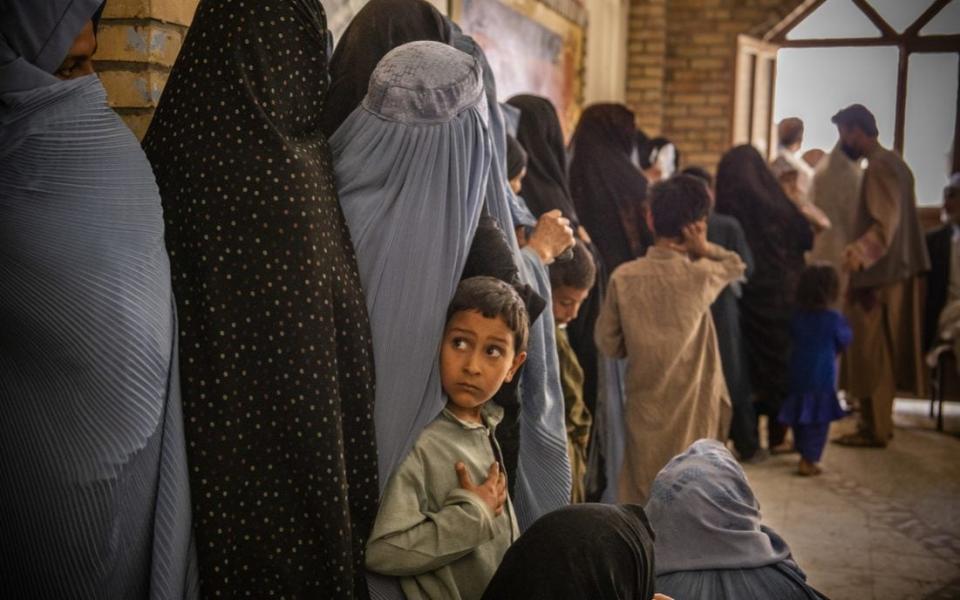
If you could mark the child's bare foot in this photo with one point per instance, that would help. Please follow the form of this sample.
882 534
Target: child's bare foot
784 448
808 469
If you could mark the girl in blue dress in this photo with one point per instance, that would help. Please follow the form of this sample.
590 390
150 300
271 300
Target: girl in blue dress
819 334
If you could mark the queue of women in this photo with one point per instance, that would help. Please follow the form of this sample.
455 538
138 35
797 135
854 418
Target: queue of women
216 350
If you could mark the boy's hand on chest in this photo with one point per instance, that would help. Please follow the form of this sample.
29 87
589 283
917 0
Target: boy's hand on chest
493 491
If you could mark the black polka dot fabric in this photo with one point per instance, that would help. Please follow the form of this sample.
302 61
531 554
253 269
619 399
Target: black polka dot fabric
276 362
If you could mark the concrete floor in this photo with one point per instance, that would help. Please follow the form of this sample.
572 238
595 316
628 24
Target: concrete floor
878 524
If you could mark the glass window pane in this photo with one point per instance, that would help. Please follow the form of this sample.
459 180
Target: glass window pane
814 83
900 14
834 19
930 119
947 21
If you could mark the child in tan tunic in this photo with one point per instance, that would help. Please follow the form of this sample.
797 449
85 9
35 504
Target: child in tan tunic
657 315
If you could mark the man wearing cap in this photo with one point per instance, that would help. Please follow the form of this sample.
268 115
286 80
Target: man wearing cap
942 311
883 261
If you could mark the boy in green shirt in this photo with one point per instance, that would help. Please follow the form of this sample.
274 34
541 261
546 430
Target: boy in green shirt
442 534
571 282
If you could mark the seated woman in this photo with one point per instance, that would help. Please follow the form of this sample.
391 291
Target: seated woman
596 551
710 543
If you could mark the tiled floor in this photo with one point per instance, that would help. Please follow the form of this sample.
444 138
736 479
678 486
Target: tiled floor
878 524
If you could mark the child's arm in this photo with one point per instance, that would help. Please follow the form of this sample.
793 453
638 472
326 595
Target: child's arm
844 334
608 332
723 267
408 541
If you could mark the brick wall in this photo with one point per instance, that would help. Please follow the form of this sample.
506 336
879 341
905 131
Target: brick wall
680 67
137 44
646 62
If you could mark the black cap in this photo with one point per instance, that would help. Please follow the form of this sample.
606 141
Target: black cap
857 115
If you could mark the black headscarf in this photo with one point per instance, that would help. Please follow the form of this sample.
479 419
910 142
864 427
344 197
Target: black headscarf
778 235
276 361
516 157
595 551
608 190
546 186
776 230
379 27
649 149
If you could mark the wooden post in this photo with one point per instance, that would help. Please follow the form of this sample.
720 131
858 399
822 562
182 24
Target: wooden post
899 127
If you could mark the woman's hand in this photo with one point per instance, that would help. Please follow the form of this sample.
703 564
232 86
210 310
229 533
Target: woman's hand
551 236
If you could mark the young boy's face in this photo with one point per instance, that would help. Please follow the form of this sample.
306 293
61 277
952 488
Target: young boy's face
476 357
566 303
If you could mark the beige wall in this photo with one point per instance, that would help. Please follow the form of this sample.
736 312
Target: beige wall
137 44
605 67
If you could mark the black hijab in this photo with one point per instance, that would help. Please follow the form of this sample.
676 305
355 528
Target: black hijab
778 235
276 361
776 231
608 190
378 28
595 551
546 186
516 157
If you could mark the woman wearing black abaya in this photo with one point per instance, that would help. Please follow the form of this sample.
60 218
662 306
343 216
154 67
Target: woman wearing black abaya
778 235
594 551
608 191
276 365
546 187
379 27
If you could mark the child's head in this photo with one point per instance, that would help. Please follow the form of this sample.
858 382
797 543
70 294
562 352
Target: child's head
516 163
677 202
819 287
571 282
484 341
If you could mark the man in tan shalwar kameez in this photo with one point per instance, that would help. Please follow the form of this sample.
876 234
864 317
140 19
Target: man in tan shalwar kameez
884 262
656 314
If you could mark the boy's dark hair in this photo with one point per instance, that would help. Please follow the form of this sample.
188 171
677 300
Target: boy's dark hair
676 203
819 287
579 272
700 173
857 115
493 298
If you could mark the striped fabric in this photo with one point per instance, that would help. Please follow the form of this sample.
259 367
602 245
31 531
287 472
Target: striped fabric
94 500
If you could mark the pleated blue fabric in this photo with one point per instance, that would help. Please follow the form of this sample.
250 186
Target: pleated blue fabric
542 480
610 428
95 501
411 166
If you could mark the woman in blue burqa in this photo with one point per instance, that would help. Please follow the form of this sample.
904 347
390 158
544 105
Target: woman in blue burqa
95 501
275 340
534 444
710 540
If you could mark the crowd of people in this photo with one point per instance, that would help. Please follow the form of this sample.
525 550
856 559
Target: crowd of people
346 326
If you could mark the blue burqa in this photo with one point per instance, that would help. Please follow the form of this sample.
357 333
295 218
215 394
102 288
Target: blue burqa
411 163
543 480
95 498
710 540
